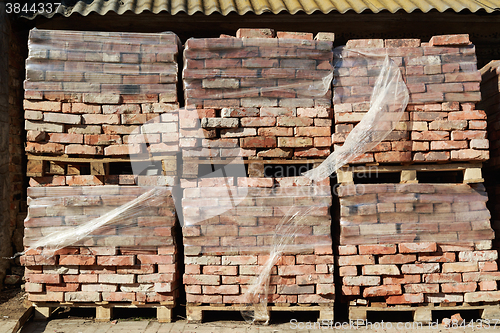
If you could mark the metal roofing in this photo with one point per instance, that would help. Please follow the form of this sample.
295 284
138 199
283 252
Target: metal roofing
224 7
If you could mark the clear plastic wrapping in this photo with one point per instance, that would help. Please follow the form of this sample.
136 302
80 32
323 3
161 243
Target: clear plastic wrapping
387 104
393 213
117 216
101 62
253 240
234 72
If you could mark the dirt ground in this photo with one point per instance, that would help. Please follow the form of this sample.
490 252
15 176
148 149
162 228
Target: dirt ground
12 303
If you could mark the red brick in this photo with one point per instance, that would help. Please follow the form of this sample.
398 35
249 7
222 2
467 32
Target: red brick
455 40
44 278
417 247
258 142
488 266
421 288
445 257
258 121
42 106
405 299
385 290
482 296
350 290
255 33
348 271
361 280
458 287
115 260
442 278
397 259
347 250
78 260
377 249
295 142
467 115
118 297
356 260
224 290
46 297
401 279
294 35
487 285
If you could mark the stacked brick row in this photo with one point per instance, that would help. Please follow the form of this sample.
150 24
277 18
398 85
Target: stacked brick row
88 93
387 213
131 258
443 237
269 96
102 94
257 97
420 272
441 122
232 226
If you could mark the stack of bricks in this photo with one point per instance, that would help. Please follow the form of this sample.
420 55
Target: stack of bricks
95 95
441 122
232 225
386 213
256 97
87 93
419 272
131 258
443 236
269 96
490 91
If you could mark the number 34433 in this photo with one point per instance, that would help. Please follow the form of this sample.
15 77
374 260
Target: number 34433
41 8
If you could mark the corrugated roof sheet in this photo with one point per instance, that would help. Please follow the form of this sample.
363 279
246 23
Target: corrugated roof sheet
224 7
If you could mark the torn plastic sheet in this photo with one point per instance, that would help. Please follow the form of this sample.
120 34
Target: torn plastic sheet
388 102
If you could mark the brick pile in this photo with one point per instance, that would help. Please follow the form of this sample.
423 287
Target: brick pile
434 244
269 96
420 272
441 122
490 91
390 213
231 225
97 95
133 258
88 92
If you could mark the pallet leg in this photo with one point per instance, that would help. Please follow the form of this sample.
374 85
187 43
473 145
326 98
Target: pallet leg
491 312
164 314
194 314
103 314
326 313
42 313
357 314
422 315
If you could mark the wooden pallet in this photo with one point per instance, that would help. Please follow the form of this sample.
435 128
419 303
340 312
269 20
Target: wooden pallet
255 166
261 314
43 165
408 173
422 313
104 310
